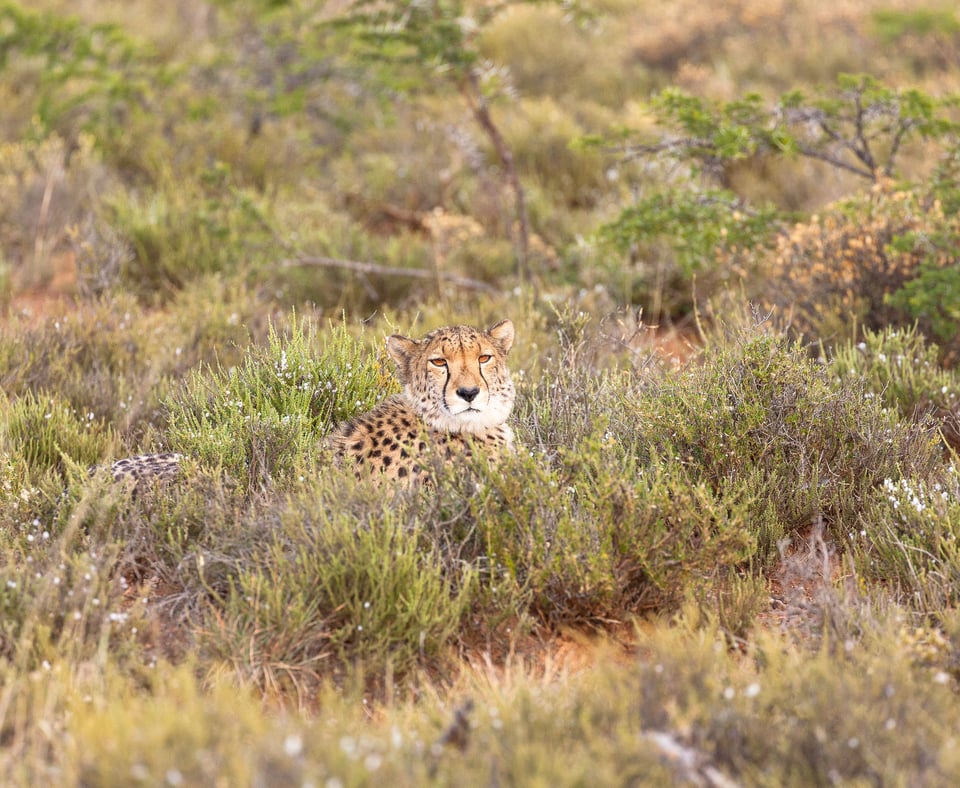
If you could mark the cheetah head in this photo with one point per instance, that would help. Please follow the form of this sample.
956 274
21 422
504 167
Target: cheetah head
456 378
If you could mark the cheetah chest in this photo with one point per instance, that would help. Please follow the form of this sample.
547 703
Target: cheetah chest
393 440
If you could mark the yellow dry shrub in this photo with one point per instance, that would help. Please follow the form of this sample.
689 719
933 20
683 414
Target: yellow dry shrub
837 271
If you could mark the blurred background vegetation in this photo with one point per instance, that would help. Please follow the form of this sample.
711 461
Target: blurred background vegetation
357 155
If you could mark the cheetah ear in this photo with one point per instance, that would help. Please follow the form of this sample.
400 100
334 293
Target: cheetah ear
400 349
503 333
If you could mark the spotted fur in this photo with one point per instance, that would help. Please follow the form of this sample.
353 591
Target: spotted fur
147 466
457 395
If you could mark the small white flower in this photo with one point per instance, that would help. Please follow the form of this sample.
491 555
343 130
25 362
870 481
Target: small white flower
293 745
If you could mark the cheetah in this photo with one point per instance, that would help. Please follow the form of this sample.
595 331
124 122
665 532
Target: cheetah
457 395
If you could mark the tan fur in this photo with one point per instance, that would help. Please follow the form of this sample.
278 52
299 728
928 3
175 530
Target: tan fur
457 394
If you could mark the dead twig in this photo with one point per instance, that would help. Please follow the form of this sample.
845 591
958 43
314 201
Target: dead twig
385 270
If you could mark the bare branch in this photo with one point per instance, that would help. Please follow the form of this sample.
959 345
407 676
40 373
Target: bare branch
904 127
385 270
861 147
840 164
631 152
472 93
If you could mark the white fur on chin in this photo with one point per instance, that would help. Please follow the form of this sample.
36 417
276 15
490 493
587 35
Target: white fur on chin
470 420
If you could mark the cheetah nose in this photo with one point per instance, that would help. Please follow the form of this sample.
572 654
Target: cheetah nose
468 394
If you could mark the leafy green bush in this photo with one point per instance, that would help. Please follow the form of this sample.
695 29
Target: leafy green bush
318 588
262 420
603 537
904 372
45 433
676 237
931 298
758 412
908 540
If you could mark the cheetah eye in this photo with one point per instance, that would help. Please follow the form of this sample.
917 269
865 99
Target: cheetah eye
484 358
438 362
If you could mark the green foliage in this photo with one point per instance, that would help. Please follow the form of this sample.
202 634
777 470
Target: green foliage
908 538
46 432
904 372
604 537
682 235
320 590
859 126
933 296
83 76
263 419
757 412
892 24
436 35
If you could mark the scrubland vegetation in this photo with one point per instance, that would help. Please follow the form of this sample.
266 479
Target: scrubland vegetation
727 551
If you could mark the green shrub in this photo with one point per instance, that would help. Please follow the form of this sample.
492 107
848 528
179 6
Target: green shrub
907 539
677 237
758 412
263 419
603 537
903 371
47 434
318 586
